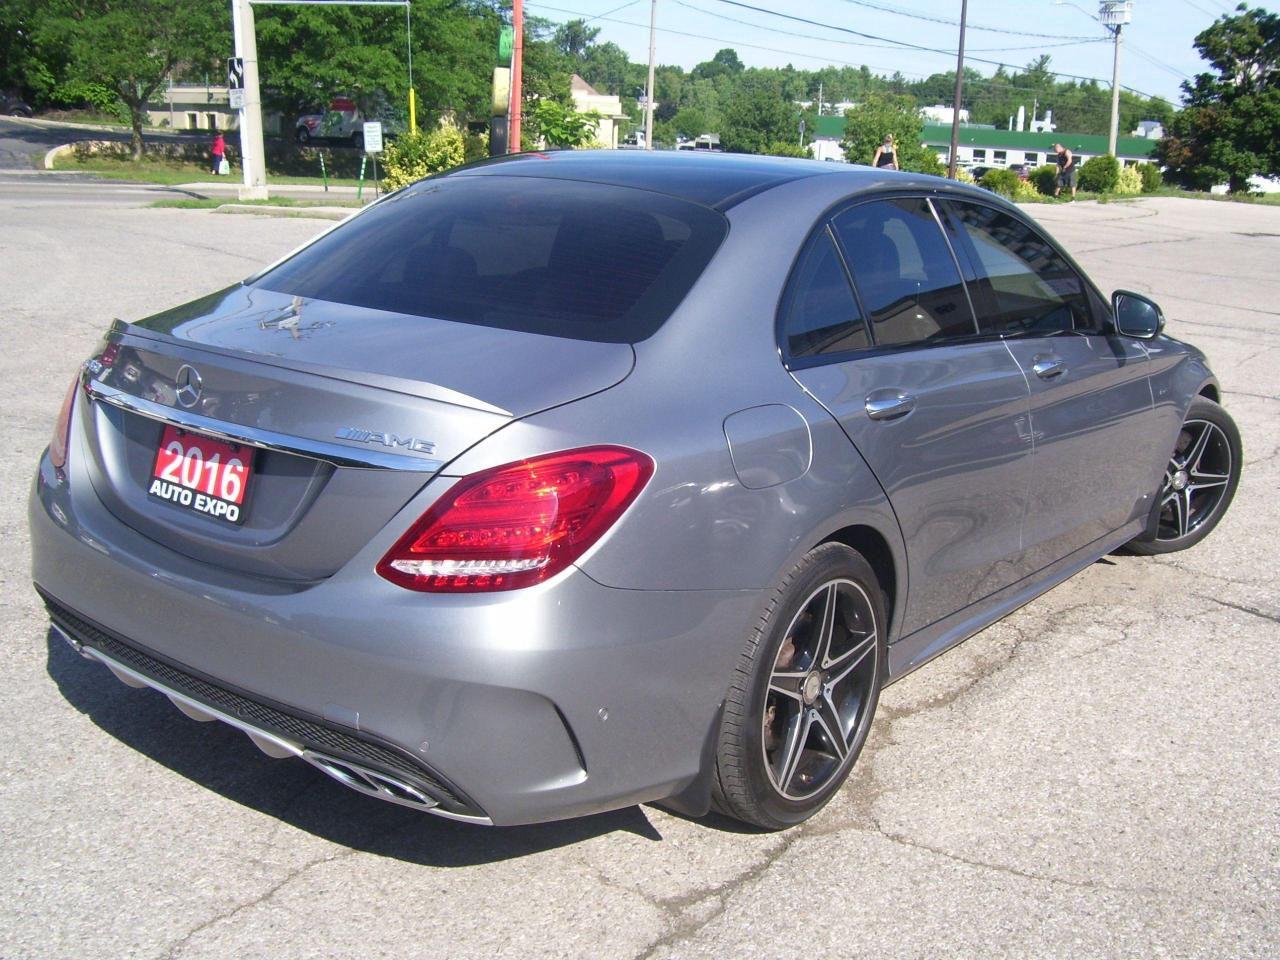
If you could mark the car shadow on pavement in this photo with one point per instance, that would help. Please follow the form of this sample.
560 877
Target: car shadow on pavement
223 760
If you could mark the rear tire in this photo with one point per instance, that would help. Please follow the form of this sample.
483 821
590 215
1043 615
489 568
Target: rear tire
804 692
302 135
1199 481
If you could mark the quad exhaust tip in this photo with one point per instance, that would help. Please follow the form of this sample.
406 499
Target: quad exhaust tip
373 783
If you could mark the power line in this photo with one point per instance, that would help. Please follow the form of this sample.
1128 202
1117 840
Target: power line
863 43
955 23
821 59
903 44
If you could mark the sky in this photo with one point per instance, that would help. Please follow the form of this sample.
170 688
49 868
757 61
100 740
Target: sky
1157 50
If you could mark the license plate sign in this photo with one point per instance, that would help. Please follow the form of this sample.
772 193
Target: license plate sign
204 475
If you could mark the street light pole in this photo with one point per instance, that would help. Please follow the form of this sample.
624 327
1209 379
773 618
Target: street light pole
955 110
648 93
252 154
1115 97
517 74
1114 14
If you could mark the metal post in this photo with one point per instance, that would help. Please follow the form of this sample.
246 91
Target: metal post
413 99
252 152
517 74
1115 96
648 93
955 110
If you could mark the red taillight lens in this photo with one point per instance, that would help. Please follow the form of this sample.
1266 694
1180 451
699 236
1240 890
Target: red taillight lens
62 428
518 524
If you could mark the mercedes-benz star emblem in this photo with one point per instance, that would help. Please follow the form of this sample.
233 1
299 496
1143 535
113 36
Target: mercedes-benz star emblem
188 385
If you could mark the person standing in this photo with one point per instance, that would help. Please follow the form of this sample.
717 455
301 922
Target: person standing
1066 170
886 154
219 152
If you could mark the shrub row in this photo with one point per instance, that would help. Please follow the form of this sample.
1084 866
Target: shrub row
1097 175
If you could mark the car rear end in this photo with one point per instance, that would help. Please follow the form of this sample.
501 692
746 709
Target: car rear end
248 503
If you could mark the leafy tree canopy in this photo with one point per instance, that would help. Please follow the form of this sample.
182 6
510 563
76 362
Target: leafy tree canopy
130 47
1228 128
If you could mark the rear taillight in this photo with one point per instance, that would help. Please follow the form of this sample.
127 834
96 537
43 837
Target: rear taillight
62 428
518 524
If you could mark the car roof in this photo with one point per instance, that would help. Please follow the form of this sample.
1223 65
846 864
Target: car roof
718 180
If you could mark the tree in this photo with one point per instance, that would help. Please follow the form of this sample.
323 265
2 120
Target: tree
131 46
562 126
574 37
755 116
1228 127
878 114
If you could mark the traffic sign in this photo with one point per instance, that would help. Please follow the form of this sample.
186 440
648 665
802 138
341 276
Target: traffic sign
373 137
235 98
235 73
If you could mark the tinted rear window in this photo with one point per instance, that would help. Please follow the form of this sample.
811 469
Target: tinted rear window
569 259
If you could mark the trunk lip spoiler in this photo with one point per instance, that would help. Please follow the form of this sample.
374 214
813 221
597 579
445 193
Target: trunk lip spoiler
424 391
337 454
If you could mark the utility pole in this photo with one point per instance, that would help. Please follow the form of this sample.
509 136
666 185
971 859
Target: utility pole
252 154
1114 14
955 111
517 74
648 93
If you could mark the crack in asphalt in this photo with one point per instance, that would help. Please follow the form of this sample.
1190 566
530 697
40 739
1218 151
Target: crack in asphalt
1243 608
180 945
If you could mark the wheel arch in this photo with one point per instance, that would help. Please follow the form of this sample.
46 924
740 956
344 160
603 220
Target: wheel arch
874 546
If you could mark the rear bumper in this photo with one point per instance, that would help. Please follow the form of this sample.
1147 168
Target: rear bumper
559 700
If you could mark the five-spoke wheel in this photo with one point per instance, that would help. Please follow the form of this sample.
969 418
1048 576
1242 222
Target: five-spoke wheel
804 693
1199 481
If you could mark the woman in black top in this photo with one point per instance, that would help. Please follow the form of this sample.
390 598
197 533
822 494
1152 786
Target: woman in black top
886 154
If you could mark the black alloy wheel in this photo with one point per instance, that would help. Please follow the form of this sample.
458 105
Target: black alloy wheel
1199 481
804 693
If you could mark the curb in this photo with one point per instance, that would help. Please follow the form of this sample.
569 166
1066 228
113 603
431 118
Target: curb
263 210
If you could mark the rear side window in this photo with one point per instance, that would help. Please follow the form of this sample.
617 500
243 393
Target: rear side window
905 272
570 259
819 313
1023 285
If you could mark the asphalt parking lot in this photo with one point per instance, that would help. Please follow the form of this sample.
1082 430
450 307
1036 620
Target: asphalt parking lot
1098 775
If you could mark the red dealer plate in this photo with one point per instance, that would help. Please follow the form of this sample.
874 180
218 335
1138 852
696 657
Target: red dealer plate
201 474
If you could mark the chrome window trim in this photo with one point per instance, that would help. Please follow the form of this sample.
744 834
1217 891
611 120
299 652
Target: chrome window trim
334 453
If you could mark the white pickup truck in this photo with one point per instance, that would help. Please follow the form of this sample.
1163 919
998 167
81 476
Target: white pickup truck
344 120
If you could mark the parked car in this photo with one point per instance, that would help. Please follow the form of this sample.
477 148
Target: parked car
1022 170
572 480
15 106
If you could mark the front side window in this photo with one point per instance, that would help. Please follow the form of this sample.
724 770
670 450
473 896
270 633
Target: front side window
819 313
904 272
1023 285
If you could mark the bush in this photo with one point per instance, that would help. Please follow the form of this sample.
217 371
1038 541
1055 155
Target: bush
926 161
1045 178
412 156
1009 184
1152 178
1129 181
1100 174
785 148
964 176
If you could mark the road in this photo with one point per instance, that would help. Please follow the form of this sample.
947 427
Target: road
1096 775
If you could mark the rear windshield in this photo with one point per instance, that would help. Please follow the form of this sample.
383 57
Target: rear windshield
565 258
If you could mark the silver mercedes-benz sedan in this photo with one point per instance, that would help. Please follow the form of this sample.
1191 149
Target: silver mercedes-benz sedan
569 481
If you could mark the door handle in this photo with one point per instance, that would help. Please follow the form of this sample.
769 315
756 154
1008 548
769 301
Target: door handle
1049 369
889 404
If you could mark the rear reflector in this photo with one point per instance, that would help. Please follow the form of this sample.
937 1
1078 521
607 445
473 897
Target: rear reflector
518 524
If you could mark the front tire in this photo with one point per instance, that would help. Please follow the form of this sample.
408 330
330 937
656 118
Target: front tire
1199 481
804 693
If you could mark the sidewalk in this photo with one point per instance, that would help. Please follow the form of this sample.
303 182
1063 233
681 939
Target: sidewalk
302 191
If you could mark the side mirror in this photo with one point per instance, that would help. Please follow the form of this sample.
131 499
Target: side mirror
1135 315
